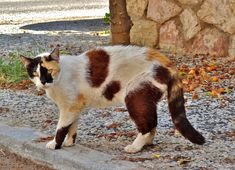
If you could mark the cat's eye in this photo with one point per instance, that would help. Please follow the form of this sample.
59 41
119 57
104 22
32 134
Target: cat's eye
35 74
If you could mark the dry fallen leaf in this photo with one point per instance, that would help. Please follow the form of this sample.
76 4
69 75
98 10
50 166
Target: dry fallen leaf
177 133
120 109
4 109
195 95
156 155
215 79
214 93
221 90
211 68
191 87
44 139
192 71
183 161
113 125
136 159
185 81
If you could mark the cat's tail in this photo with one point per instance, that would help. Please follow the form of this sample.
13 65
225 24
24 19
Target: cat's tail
177 110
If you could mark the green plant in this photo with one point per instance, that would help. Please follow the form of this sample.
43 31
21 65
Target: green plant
12 70
107 18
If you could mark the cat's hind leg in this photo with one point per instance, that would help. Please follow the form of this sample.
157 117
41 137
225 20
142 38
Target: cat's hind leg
141 105
140 141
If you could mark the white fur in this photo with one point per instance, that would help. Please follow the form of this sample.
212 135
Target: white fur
139 142
51 144
127 65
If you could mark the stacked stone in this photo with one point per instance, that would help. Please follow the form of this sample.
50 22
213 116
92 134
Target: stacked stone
184 26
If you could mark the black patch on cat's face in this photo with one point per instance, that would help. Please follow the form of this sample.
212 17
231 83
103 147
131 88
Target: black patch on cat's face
45 76
32 66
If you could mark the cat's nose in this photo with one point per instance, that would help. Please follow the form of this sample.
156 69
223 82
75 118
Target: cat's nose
43 82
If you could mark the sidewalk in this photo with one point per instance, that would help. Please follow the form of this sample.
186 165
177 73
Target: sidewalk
21 141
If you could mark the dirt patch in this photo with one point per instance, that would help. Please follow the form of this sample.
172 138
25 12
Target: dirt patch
13 161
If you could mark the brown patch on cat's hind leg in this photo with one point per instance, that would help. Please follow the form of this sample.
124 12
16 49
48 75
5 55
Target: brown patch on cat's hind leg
141 105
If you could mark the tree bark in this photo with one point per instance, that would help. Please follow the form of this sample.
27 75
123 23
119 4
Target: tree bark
120 22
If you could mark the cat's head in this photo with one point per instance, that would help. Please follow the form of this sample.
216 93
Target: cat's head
43 69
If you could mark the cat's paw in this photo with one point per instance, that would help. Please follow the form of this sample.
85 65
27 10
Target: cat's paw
131 149
68 142
51 144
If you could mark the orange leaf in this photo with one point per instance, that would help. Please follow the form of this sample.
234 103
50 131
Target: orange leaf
220 90
211 68
185 81
222 77
195 95
191 87
215 79
214 93
192 71
113 125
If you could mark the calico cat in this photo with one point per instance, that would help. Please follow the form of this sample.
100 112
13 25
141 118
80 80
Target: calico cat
135 76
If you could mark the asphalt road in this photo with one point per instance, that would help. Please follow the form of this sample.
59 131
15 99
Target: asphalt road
20 11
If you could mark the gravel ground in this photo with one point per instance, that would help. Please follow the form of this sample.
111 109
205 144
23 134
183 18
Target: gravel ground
74 36
110 129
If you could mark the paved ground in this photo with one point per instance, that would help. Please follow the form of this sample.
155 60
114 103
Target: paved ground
12 11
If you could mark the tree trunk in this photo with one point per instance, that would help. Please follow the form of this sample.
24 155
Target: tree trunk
120 22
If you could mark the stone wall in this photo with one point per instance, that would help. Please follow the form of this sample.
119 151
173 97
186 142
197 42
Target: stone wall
184 26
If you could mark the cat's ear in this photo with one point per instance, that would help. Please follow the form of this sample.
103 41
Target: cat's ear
25 60
55 54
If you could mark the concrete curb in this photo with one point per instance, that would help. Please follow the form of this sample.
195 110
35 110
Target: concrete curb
20 141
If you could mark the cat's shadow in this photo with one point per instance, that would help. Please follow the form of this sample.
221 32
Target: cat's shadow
73 25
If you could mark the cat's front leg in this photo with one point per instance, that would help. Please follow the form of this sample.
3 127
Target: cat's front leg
66 120
71 136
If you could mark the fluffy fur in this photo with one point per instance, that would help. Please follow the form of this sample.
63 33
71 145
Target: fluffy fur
137 77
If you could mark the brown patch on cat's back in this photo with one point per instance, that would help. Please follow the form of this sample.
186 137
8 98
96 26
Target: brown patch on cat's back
98 66
51 65
111 89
